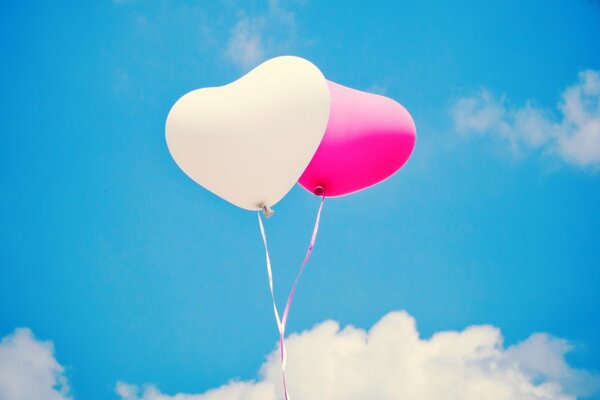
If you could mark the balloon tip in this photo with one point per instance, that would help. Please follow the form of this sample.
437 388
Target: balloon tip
319 191
267 211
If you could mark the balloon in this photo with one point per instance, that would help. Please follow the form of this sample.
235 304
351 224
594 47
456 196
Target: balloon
249 141
368 138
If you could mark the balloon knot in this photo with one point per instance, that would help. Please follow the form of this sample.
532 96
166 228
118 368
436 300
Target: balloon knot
267 211
319 191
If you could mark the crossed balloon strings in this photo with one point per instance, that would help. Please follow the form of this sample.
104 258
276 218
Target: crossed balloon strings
281 322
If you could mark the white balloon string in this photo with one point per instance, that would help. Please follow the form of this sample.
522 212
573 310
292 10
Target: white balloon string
277 319
281 323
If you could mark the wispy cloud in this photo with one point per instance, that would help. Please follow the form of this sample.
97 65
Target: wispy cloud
377 89
28 369
246 44
254 38
573 136
391 361
244 35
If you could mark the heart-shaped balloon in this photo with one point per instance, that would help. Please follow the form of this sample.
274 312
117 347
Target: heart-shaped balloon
368 138
249 141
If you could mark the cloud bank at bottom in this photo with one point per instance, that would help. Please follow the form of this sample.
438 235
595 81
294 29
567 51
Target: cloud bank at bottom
391 361
388 361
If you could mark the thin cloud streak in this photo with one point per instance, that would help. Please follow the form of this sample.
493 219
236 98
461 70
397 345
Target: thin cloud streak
573 137
254 38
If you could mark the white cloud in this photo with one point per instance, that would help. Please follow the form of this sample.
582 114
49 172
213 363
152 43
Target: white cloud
245 47
477 114
253 38
574 136
391 361
28 369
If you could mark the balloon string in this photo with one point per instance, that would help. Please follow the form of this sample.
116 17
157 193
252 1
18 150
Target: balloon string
281 323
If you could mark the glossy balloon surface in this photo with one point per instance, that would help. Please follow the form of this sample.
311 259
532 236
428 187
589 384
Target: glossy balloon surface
249 141
368 138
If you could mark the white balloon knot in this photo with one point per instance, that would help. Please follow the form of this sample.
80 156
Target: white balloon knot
267 211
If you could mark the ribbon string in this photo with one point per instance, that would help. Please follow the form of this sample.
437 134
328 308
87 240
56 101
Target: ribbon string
281 322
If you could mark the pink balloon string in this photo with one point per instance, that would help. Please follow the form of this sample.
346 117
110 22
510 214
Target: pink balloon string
281 323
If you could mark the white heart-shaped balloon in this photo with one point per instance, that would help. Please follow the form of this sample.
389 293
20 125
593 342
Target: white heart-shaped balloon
249 141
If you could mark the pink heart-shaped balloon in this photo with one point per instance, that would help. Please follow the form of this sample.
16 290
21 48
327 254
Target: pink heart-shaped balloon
368 138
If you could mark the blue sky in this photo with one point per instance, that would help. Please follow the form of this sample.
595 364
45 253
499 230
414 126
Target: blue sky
137 274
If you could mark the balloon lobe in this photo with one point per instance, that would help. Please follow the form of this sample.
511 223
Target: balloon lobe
368 138
249 141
